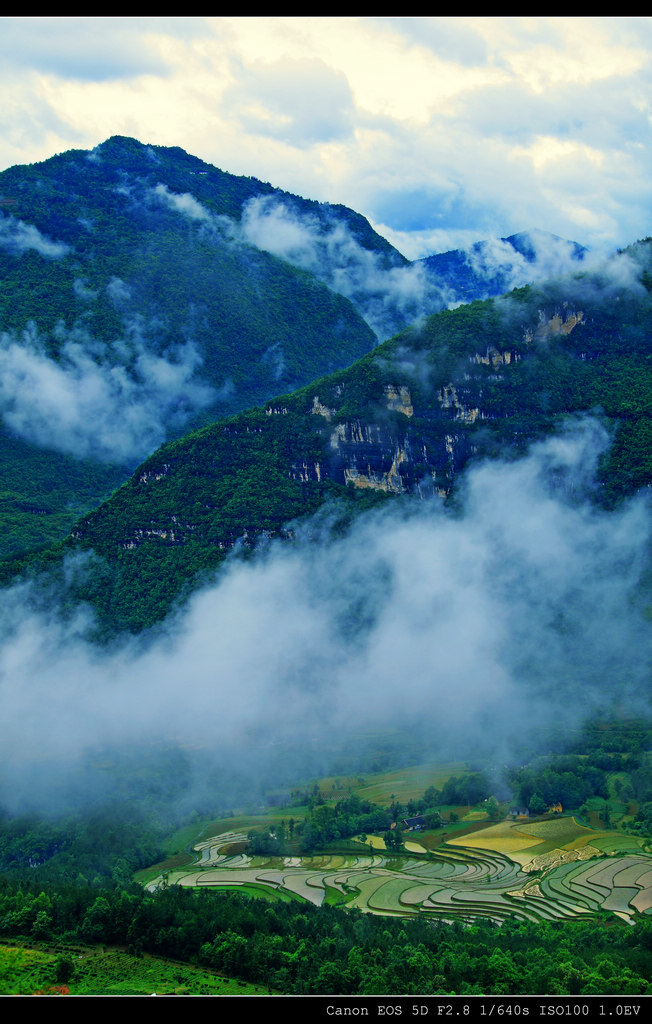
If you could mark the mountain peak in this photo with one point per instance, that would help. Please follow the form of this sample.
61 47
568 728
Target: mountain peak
494 266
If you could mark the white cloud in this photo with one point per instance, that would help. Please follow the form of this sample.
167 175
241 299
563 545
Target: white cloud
547 257
182 203
388 297
17 237
115 403
302 102
90 49
118 291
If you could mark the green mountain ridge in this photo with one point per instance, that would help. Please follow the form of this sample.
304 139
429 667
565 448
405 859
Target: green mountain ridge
125 213
483 380
127 319
145 293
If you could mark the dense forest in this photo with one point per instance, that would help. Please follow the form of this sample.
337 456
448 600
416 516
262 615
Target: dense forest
308 950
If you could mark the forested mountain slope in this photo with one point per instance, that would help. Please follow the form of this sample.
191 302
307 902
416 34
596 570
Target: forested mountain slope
132 308
145 292
137 245
482 380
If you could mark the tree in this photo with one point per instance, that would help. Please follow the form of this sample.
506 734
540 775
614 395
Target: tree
433 819
537 804
63 970
393 839
493 809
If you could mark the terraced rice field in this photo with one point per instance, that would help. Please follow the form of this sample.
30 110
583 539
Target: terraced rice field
547 870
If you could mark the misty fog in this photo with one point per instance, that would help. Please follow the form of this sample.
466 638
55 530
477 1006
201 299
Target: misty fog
521 609
113 402
16 237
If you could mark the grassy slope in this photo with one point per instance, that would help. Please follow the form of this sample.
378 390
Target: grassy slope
29 969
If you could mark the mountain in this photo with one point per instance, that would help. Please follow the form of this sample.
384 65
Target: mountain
145 292
494 267
479 381
422 549
140 248
133 307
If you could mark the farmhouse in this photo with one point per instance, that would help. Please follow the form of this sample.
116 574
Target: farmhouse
413 824
518 812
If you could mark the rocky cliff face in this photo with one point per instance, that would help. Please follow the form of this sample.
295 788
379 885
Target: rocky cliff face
410 437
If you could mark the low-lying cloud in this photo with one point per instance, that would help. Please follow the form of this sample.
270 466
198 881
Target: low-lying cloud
597 282
388 297
471 631
183 203
503 265
388 294
113 402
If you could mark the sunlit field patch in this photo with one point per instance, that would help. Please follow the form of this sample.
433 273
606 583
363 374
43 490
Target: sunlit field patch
505 837
477 872
377 842
409 783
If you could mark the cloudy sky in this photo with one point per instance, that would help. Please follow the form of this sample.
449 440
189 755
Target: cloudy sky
440 130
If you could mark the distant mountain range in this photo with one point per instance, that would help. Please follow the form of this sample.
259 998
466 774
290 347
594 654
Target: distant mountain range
494 267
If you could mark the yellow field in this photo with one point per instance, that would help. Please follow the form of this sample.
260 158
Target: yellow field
505 837
590 837
562 839
414 847
377 842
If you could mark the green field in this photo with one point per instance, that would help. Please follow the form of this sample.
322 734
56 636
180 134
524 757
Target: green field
408 783
548 868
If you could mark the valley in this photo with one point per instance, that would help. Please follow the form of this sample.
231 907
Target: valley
453 862
366 913
326 596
